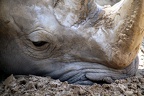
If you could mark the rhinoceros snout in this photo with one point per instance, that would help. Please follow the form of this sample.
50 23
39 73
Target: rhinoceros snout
89 73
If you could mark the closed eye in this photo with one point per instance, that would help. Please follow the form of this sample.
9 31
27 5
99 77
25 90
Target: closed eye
39 43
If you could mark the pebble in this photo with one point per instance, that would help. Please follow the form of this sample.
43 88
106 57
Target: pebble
128 93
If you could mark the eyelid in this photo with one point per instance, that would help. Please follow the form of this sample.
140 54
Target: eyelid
38 36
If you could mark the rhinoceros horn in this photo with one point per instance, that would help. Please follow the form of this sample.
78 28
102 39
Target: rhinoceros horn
127 30
121 29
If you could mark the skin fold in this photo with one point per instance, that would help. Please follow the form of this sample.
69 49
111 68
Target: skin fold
72 40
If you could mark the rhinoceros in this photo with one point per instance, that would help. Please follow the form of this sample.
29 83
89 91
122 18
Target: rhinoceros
76 41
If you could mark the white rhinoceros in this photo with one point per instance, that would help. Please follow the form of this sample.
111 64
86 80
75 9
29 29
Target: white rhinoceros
72 40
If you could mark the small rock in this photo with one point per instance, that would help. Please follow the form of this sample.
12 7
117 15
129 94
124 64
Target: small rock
30 85
121 87
142 92
128 93
8 80
141 80
55 83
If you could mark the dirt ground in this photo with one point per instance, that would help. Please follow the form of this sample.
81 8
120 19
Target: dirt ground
45 86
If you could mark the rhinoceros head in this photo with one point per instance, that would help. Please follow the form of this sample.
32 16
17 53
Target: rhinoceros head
72 40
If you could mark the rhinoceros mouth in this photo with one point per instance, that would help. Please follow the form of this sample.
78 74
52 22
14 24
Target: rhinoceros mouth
88 73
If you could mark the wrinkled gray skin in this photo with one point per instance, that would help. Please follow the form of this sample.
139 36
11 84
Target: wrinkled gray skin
71 40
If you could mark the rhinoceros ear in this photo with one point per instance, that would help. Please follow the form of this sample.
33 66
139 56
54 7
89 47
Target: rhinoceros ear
72 12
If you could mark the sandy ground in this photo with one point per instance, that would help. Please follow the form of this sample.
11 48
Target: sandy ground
45 86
